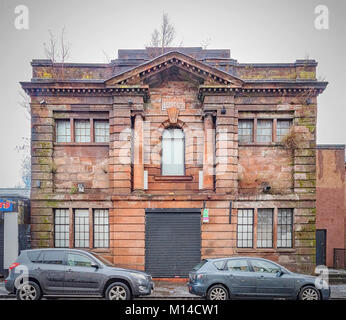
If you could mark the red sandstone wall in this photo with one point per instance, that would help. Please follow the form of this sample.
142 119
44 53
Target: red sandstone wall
80 164
258 165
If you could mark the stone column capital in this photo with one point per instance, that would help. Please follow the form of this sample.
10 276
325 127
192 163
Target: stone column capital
137 113
209 114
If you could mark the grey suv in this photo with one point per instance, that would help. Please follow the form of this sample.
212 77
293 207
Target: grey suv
71 272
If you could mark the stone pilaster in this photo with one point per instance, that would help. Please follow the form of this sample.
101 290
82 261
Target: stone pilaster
138 152
121 143
42 143
226 142
42 174
305 153
209 152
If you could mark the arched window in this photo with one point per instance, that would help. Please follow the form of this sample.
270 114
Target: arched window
173 152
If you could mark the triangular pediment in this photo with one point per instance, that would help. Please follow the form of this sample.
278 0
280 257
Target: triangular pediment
180 64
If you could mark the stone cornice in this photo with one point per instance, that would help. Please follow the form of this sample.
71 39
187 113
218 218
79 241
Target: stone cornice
49 89
308 89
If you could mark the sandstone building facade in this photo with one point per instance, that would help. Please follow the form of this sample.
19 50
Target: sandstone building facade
155 161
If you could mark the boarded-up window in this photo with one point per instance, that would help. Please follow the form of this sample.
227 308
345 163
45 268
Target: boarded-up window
61 228
173 152
283 127
264 131
63 131
265 228
245 131
101 129
245 228
82 130
285 226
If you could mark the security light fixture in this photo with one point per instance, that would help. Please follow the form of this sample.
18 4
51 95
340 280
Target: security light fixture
266 188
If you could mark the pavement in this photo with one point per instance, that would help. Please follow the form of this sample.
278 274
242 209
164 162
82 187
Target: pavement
165 290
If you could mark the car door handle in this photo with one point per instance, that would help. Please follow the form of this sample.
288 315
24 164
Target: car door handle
261 277
69 270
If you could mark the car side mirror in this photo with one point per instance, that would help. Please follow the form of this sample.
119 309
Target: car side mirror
279 273
95 265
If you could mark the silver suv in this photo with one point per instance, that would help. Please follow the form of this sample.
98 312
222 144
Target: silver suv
71 272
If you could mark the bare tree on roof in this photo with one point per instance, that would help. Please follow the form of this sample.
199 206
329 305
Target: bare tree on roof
163 37
58 52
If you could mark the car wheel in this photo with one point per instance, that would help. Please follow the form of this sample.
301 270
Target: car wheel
118 291
217 292
309 293
28 291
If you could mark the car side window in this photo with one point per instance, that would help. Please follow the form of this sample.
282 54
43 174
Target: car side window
34 256
219 264
264 266
78 260
52 257
238 265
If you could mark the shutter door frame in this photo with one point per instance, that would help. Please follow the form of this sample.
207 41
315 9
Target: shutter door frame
160 247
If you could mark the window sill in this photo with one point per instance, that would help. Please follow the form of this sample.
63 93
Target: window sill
264 250
173 178
252 144
81 144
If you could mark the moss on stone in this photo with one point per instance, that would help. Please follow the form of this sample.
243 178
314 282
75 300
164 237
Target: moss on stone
307 74
73 190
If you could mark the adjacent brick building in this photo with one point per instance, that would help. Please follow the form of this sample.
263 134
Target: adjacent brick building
156 161
330 204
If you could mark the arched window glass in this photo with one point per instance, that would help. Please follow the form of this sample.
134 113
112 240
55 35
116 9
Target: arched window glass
173 152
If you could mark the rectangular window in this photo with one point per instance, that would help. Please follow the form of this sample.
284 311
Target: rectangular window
63 131
81 228
264 131
173 152
101 228
285 226
265 228
61 228
282 128
245 228
245 131
101 129
82 130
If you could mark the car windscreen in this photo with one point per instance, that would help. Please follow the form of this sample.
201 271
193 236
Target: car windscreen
199 265
102 259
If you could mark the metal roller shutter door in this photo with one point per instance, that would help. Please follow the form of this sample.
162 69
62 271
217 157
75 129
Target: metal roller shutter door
173 241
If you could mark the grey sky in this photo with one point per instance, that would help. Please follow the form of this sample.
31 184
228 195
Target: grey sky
255 31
